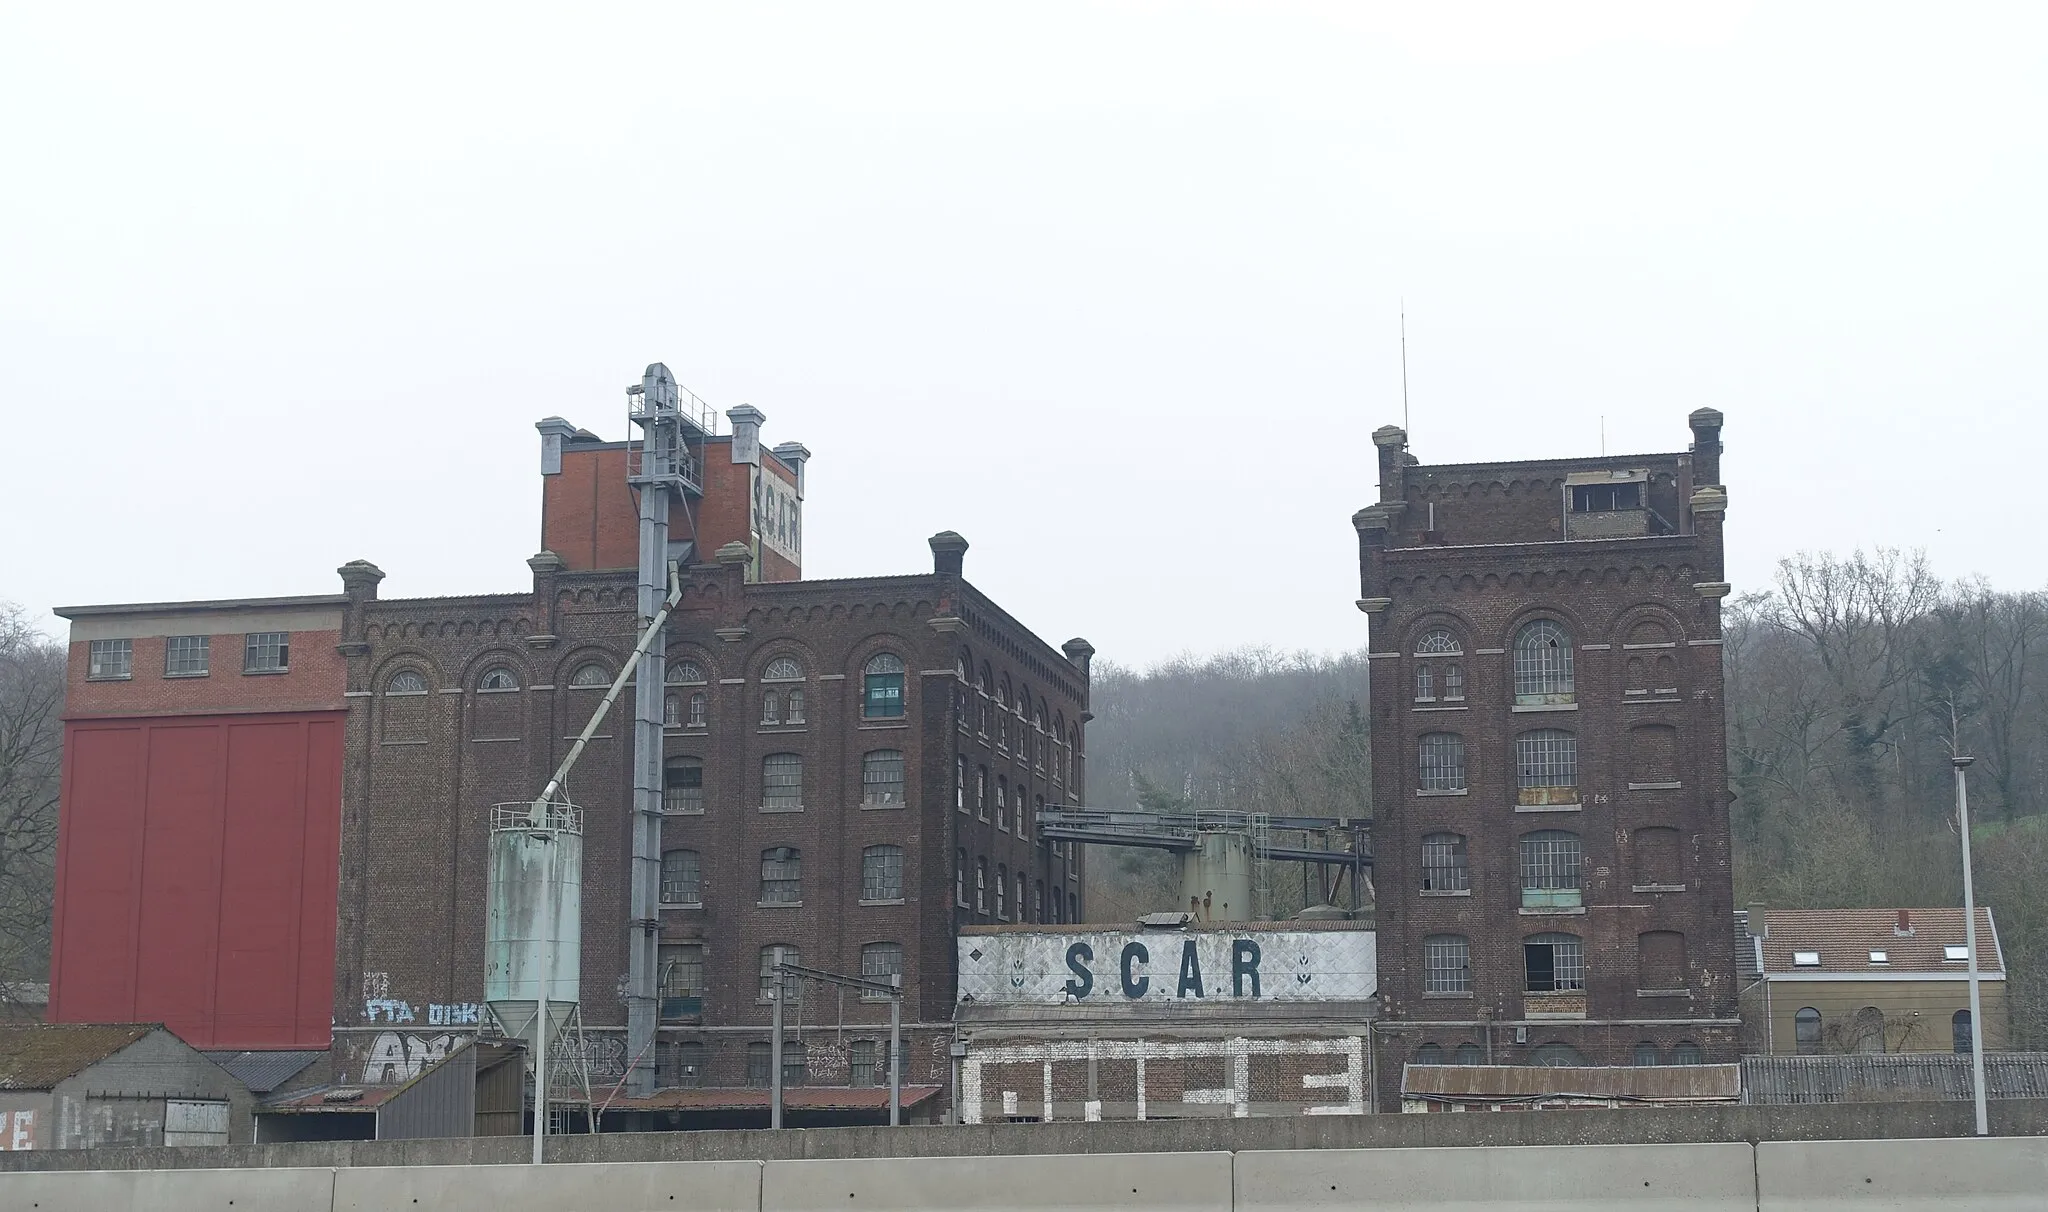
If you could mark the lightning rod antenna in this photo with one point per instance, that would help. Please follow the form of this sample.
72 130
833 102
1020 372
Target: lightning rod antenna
1404 369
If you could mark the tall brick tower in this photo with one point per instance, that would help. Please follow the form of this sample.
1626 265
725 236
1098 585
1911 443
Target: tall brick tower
1549 760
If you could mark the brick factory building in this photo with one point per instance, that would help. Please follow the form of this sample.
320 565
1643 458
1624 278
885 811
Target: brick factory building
1550 789
851 771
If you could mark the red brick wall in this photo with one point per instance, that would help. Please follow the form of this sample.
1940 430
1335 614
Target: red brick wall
196 875
313 683
588 515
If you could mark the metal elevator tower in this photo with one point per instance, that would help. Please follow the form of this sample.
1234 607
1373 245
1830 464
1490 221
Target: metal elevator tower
665 467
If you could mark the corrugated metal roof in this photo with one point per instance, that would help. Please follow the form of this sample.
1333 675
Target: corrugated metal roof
332 1098
1745 949
1514 1083
36 1056
263 1072
794 1098
1869 1077
1846 937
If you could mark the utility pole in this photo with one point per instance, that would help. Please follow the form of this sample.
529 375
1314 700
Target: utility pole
1961 764
896 1052
775 991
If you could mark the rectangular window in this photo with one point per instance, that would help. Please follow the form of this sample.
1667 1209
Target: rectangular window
882 696
782 871
881 777
860 1063
682 981
1604 498
110 660
682 880
1556 963
1443 864
266 652
1547 767
881 873
1442 766
686 1065
682 791
185 656
760 1062
1446 964
1550 870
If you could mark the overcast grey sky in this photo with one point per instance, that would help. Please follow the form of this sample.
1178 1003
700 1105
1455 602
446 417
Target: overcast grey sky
1110 288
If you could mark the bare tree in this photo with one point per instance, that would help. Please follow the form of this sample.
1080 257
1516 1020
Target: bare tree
31 734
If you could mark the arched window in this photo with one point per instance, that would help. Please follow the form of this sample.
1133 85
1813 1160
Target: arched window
795 715
960 878
1547 767
497 678
1960 1035
792 987
698 711
1468 1054
1870 1030
686 1064
1428 1054
881 873
782 876
1443 863
782 782
1002 802
1441 765
981 885
1438 672
1446 964
1556 1055
590 673
981 792
1685 1052
1647 1054
881 963
1806 1036
672 711
1002 892
1020 894
881 777
771 707
1652 755
407 681
1553 963
682 880
783 669
960 783
961 664
1003 695
1543 664
882 687
682 786
1550 869
1657 858
684 673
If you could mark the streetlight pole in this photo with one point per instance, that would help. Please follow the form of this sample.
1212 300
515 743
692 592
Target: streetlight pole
776 988
1961 764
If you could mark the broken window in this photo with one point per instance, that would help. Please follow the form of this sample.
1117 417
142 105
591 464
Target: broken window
1446 964
1554 963
1602 498
1442 762
1547 767
1443 863
1543 664
1550 869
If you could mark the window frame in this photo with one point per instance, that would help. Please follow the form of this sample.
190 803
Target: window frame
179 661
875 677
1546 767
590 675
673 800
881 880
879 971
258 644
1544 671
1566 963
1551 866
1446 965
787 865
780 773
99 657
1453 875
881 760
1440 767
681 882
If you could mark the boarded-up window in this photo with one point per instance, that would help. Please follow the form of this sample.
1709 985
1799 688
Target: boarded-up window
1660 960
403 709
195 1123
1653 754
1656 857
495 709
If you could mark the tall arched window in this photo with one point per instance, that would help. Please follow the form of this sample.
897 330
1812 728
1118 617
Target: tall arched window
682 786
960 878
1439 674
1685 1052
1550 870
682 880
1441 762
1553 963
981 885
1547 767
1002 802
1543 664
1428 1054
1647 1054
771 707
1806 1031
782 876
1443 863
881 873
1002 892
960 783
782 782
1960 1034
1446 964
1870 1030
697 713
881 777
795 702
1468 1054
882 687
672 711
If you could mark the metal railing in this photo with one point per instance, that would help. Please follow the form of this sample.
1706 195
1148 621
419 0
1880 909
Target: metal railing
518 814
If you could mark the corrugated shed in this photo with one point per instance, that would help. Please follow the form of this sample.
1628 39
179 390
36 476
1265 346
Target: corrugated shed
263 1072
36 1056
1868 1077
1846 937
1520 1083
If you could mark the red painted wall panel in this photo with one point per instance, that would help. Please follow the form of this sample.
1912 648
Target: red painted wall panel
197 866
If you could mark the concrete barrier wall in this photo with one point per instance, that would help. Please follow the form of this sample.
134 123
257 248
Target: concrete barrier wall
168 1191
733 1186
1841 1121
1972 1175
1640 1178
1197 1182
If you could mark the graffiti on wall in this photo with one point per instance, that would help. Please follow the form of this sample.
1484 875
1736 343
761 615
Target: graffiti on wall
435 1014
1241 1052
398 1056
17 1130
